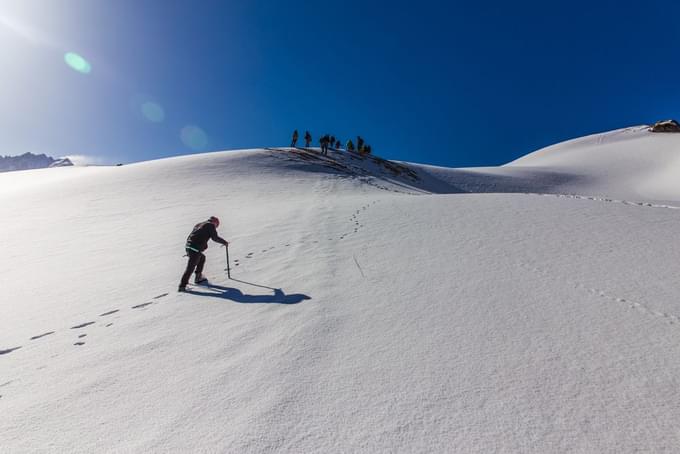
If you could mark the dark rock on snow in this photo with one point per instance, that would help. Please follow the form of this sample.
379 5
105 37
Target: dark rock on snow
665 126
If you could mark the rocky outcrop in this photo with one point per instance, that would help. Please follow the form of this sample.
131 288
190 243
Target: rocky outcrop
61 162
665 126
29 161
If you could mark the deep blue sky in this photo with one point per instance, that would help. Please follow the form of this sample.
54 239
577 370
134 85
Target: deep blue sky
448 83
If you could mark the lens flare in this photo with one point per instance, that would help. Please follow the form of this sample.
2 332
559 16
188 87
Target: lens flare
153 112
77 63
194 137
146 107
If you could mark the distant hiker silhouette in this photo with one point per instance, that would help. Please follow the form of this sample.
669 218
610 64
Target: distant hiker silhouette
360 144
295 138
197 242
324 141
308 139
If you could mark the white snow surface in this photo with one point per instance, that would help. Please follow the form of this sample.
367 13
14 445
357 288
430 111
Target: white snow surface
531 308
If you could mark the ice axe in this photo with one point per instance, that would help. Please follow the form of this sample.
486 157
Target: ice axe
228 269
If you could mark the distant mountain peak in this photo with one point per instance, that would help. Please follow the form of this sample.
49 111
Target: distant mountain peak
29 161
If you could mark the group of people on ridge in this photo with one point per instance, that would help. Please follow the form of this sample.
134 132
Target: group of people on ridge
362 147
327 141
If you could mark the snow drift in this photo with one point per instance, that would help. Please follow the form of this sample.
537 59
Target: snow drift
374 306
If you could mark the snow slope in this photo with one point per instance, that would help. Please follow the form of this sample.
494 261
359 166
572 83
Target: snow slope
371 310
630 163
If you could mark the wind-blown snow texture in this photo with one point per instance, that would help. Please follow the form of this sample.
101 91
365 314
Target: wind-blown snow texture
375 307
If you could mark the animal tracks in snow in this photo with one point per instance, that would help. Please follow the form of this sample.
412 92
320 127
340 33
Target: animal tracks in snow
109 313
82 325
636 305
608 200
640 307
356 225
80 342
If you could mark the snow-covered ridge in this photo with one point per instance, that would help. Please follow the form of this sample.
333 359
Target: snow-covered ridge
630 163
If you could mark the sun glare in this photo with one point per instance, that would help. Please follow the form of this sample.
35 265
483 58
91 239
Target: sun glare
23 30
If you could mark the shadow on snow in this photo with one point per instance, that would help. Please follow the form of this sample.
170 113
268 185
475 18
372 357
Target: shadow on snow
236 295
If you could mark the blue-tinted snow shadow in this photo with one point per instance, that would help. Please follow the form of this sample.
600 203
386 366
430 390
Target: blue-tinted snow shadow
236 295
